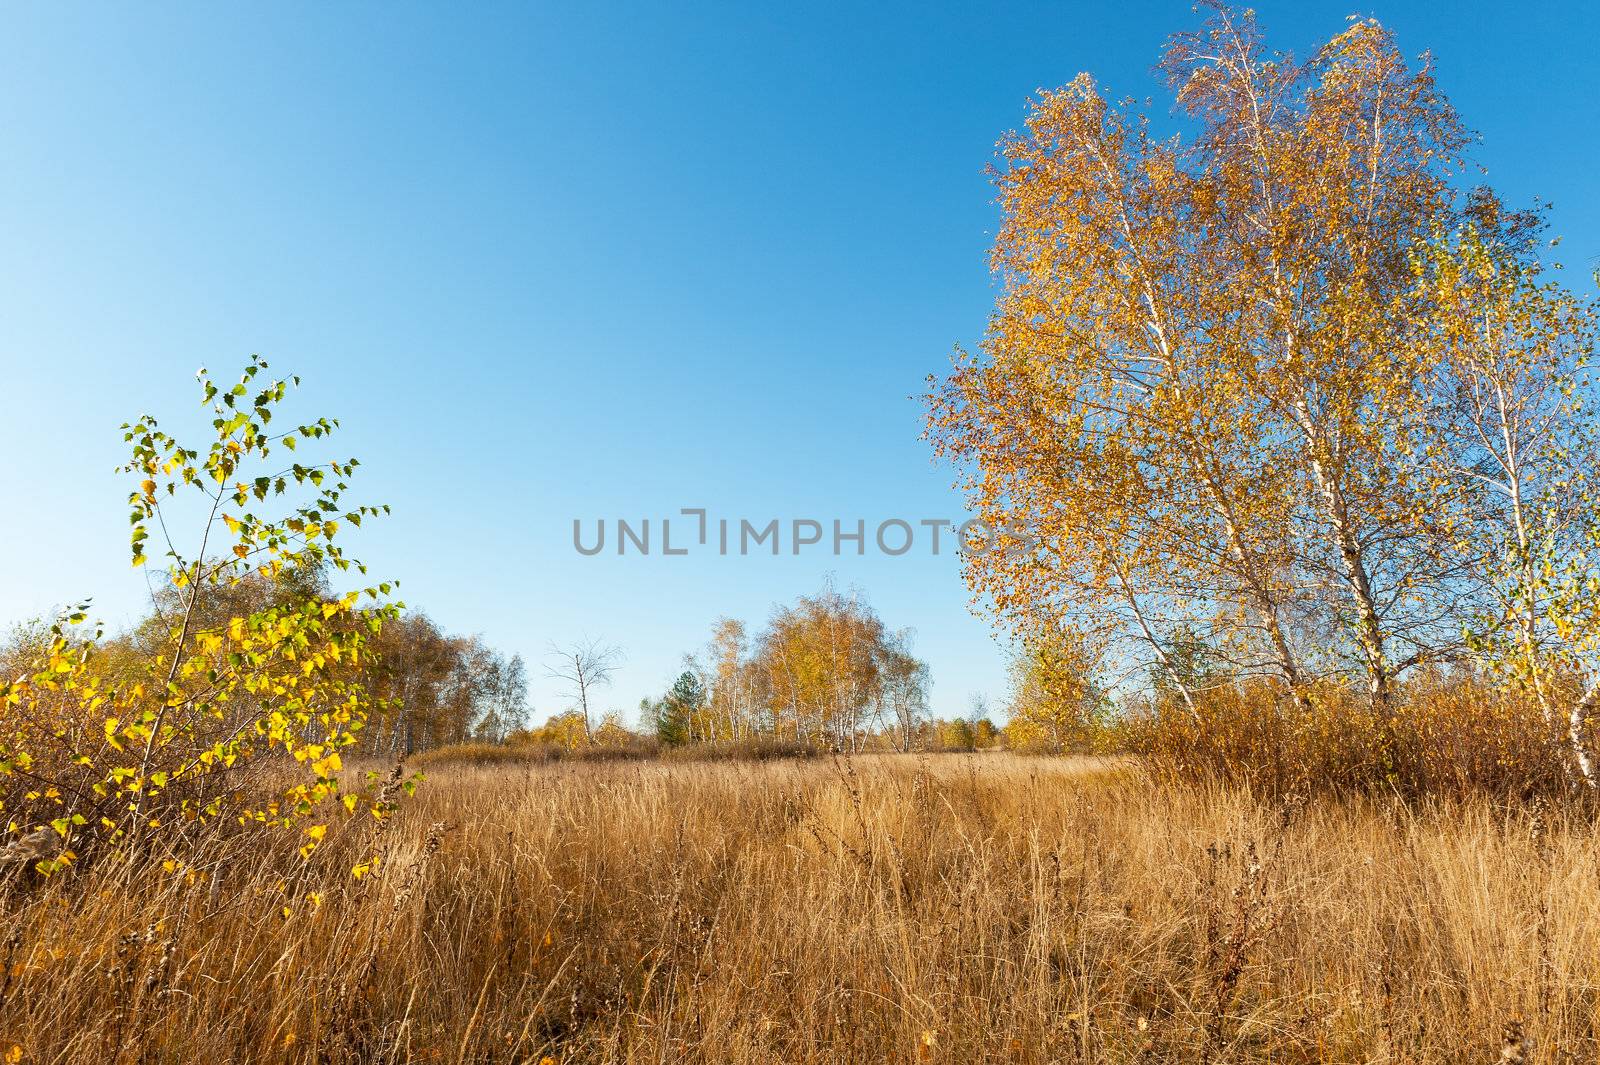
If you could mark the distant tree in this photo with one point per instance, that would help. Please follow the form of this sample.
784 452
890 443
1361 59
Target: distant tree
648 712
821 658
734 689
582 668
502 694
825 670
441 689
1055 703
612 732
903 682
417 674
676 712
954 735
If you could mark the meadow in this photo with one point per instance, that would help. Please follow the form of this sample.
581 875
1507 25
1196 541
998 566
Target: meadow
903 908
1276 462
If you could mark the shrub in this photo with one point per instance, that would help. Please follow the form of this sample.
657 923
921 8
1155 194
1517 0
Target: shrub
749 749
1451 733
231 706
487 755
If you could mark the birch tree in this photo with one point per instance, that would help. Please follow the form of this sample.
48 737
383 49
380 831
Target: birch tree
1509 348
582 668
1204 390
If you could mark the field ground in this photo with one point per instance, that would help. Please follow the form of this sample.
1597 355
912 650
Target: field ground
945 909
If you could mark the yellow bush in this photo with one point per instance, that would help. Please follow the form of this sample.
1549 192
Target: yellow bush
232 705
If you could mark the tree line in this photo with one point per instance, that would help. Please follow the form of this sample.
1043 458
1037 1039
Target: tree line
824 672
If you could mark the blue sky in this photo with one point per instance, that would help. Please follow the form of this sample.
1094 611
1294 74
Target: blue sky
583 262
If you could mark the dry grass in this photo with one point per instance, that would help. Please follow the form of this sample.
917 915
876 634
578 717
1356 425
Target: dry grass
947 909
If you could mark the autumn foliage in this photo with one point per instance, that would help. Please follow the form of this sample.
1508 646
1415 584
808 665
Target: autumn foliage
1291 418
1287 427
231 708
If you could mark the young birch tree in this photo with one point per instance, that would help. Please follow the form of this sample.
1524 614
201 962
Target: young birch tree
1509 348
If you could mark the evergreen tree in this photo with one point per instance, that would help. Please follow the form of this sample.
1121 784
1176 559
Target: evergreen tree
675 713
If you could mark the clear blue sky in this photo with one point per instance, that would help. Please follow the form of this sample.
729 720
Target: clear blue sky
583 261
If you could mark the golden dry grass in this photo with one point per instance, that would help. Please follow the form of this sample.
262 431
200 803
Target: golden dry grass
944 909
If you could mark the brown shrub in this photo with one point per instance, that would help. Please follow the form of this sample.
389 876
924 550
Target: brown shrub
1450 735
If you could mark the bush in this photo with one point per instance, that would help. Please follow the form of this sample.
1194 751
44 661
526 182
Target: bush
1451 734
527 751
750 749
488 755
228 708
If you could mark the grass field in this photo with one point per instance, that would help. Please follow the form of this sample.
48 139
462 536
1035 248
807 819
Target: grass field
948 909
